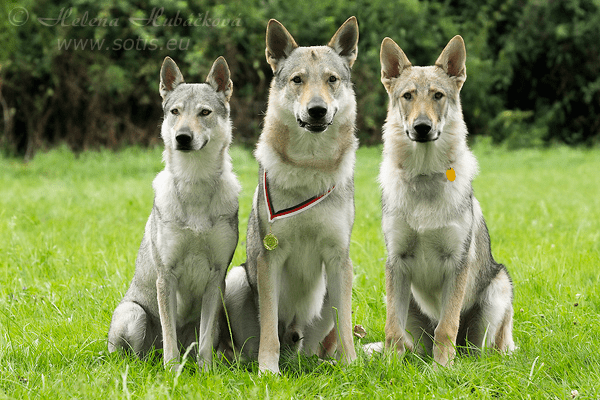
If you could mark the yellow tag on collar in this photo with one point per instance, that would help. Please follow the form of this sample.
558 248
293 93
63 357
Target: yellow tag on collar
450 174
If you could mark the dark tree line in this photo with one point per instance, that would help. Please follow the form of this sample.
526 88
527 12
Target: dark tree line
533 66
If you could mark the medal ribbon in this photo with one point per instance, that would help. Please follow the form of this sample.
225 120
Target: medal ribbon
291 211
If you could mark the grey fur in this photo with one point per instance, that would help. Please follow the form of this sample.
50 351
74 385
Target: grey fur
175 296
444 288
303 288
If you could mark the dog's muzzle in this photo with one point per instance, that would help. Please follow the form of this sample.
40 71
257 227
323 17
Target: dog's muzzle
184 141
317 113
422 132
313 127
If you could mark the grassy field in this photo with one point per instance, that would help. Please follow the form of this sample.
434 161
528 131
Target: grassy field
70 227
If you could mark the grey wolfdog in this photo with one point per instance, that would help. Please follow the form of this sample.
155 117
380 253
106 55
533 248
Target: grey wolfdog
443 286
176 293
298 272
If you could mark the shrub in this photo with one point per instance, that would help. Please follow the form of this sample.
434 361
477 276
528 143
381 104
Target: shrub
517 129
555 61
522 55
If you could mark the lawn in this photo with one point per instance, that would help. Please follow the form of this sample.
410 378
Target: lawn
70 227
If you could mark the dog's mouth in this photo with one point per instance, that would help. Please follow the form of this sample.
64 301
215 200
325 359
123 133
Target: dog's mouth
188 147
313 127
431 136
420 139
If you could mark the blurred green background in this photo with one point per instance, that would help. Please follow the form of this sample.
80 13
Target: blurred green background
533 66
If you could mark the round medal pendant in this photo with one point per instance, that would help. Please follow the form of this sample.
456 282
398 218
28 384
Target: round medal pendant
270 242
450 174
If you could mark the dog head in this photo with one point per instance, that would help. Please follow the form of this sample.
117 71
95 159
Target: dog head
194 113
423 95
309 80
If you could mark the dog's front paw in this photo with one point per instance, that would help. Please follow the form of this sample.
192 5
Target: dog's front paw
347 356
268 369
174 367
268 358
401 344
204 365
443 355
442 363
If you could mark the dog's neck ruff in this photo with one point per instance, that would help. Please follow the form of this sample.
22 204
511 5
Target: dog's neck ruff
294 210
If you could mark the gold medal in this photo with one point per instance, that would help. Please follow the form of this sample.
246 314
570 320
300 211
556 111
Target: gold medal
270 241
450 174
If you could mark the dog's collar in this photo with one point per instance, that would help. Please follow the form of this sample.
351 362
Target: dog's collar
450 174
294 210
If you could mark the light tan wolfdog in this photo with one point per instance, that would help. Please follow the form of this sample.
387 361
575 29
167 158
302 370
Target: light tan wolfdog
298 267
443 286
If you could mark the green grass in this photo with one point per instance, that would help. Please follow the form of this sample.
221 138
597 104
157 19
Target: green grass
70 227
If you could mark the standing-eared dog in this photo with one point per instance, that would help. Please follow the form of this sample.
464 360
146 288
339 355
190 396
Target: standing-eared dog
298 273
176 293
443 286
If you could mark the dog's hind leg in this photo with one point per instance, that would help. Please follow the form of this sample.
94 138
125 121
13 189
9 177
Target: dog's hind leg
420 329
497 314
130 329
240 328
504 338
319 337
290 338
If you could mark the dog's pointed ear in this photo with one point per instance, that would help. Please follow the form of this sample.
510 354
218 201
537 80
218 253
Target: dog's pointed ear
279 43
219 77
393 61
452 60
345 41
170 77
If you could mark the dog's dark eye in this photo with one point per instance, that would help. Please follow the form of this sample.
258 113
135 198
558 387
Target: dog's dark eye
175 111
438 95
332 79
407 95
205 112
297 79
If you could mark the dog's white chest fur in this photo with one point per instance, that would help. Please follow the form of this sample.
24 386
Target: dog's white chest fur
444 288
427 221
306 241
175 295
191 231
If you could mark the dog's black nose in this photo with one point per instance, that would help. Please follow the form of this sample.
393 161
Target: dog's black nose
184 140
317 112
422 129
317 108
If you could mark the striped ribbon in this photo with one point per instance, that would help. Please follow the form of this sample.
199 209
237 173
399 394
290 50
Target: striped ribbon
291 211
